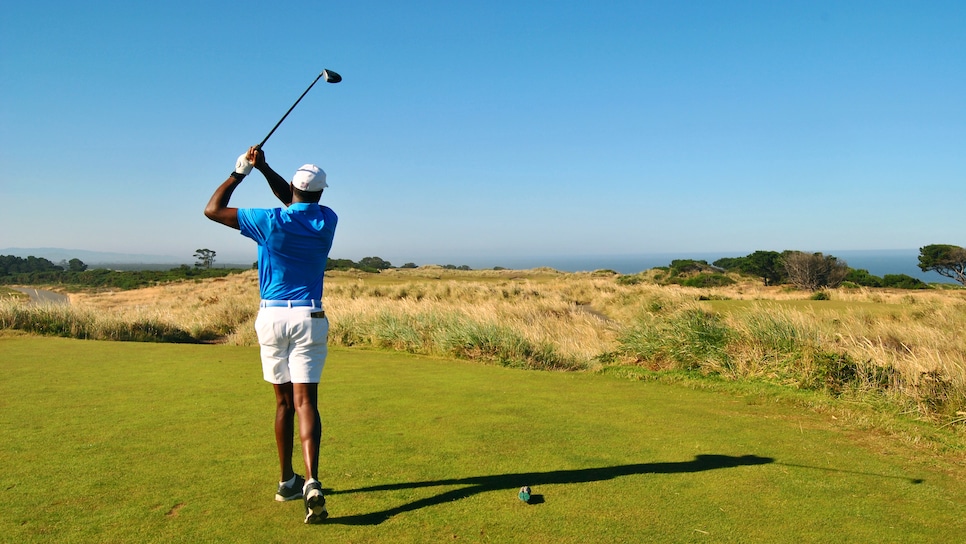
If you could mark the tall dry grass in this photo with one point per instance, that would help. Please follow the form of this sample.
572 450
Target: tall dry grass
540 312
909 343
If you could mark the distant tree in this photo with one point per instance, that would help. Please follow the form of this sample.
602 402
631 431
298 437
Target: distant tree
814 271
863 277
409 265
206 258
729 263
903 281
340 264
703 279
945 259
374 262
11 264
767 265
686 266
76 265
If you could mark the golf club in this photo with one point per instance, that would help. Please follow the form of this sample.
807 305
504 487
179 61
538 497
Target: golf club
330 77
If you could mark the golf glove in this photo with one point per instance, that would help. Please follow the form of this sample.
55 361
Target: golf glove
243 166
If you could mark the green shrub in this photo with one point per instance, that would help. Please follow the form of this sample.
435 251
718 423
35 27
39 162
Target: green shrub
630 279
903 281
863 277
707 280
687 266
836 373
935 393
831 372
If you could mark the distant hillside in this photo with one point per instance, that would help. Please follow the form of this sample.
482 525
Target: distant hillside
56 254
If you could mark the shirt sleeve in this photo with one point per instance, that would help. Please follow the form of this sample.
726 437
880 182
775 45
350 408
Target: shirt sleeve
254 223
331 219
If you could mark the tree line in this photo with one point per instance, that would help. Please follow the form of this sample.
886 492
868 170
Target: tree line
40 271
809 271
10 264
206 259
815 271
375 264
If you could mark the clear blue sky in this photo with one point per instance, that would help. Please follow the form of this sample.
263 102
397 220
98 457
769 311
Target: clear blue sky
470 131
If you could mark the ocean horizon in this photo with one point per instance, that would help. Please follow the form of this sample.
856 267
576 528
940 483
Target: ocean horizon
878 262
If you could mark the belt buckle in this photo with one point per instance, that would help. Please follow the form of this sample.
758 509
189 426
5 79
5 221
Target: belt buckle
320 314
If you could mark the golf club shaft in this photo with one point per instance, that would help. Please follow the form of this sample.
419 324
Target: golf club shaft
259 146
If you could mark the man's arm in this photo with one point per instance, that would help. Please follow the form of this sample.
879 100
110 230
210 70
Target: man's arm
279 186
217 209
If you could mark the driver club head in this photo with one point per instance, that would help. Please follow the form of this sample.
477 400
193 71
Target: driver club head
331 77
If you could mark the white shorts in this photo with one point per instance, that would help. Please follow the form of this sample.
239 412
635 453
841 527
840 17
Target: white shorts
293 344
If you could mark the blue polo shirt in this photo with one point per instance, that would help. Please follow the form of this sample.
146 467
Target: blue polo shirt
293 248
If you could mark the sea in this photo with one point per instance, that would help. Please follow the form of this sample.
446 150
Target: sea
877 262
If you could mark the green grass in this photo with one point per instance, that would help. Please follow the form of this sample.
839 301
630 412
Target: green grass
130 442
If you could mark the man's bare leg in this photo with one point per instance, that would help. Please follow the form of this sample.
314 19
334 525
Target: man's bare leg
310 432
285 428
306 398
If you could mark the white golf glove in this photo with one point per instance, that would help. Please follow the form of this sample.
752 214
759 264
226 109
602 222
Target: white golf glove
243 166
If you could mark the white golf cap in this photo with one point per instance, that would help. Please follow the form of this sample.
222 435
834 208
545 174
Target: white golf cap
309 178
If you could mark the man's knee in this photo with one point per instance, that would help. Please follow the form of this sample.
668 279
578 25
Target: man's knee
306 394
284 398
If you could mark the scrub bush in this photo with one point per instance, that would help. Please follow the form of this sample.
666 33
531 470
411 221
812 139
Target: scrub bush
689 340
707 280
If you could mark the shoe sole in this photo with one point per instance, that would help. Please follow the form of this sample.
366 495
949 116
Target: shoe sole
281 498
315 511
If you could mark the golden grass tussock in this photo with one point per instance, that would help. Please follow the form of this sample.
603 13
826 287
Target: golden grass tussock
532 309
206 309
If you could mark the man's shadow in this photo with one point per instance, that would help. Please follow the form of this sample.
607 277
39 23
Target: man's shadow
481 484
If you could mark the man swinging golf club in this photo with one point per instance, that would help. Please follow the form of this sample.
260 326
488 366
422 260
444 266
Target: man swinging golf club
293 248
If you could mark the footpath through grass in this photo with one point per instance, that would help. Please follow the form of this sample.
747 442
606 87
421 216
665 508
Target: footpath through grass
126 442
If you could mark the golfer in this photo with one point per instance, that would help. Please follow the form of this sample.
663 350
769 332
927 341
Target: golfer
293 248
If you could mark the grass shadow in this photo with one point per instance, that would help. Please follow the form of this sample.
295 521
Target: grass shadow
496 482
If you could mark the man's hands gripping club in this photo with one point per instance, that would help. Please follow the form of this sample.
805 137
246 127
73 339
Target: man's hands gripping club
217 209
253 158
244 165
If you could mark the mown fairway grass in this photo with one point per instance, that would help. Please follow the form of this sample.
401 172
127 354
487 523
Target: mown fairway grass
128 442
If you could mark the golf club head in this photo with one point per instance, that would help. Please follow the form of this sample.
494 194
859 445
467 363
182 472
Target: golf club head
331 77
